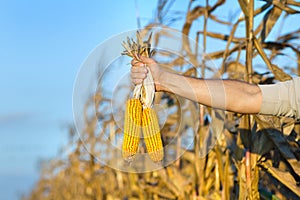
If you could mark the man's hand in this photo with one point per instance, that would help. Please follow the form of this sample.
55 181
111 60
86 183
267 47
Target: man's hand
139 71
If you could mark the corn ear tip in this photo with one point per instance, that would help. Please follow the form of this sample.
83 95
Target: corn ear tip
158 158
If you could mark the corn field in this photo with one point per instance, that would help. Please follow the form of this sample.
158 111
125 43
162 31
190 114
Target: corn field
254 156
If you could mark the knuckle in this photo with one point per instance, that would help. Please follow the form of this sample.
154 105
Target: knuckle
136 81
133 62
133 69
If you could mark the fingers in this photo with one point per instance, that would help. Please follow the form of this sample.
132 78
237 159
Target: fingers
139 70
138 74
136 63
147 60
137 81
141 61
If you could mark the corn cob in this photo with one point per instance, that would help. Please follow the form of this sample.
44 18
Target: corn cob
145 93
152 135
132 129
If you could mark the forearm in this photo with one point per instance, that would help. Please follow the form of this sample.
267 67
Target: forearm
228 95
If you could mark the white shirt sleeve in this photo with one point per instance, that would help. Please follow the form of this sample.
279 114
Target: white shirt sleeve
281 99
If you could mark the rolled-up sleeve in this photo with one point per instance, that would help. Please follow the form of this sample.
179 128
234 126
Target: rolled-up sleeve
281 99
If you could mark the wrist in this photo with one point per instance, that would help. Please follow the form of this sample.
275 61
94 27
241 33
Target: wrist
161 81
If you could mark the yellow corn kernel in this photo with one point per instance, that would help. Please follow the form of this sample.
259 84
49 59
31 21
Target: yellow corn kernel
132 128
152 135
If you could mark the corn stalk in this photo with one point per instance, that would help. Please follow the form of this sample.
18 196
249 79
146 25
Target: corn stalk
254 157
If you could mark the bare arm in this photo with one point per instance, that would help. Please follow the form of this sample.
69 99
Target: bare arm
228 95
231 95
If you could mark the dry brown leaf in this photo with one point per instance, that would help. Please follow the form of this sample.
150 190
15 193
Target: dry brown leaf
270 19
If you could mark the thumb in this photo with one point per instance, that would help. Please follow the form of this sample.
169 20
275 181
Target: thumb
147 60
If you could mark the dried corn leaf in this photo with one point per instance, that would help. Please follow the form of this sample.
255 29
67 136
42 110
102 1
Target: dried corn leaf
225 54
244 7
294 3
283 6
278 73
222 37
280 142
261 144
235 70
284 177
290 36
270 19
216 19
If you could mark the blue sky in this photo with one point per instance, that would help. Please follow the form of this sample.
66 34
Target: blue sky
42 46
